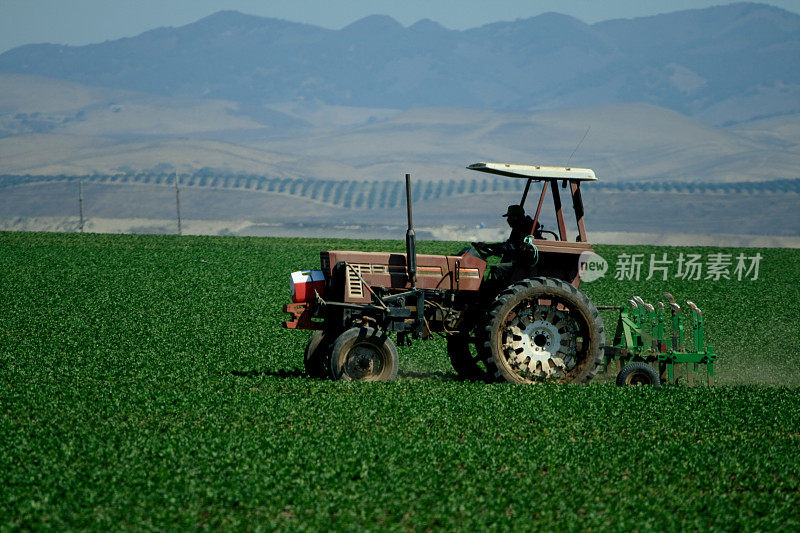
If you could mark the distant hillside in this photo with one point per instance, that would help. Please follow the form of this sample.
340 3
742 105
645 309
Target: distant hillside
723 64
51 127
624 142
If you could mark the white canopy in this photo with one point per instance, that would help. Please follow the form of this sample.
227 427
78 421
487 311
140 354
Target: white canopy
535 171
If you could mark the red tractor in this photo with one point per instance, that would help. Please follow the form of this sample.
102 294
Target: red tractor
523 320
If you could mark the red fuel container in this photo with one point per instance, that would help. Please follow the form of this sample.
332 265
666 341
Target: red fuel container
306 284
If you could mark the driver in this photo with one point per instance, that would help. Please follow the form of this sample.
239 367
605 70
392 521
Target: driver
513 251
521 225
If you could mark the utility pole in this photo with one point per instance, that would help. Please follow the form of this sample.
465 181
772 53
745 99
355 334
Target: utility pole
178 203
80 204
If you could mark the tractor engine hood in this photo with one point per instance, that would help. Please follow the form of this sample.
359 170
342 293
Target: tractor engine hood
346 270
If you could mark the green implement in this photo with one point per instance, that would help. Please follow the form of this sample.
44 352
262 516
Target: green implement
640 354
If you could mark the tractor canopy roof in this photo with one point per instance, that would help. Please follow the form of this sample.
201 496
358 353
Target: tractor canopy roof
535 172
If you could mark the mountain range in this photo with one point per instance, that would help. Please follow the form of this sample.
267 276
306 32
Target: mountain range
722 64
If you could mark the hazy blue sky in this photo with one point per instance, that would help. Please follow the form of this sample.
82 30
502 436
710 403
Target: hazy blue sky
90 21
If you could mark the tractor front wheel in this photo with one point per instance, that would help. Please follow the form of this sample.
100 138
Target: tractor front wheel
364 354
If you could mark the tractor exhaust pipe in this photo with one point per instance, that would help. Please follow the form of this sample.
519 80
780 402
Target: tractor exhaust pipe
411 239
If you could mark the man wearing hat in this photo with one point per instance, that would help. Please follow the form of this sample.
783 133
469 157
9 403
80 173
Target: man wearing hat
521 225
511 250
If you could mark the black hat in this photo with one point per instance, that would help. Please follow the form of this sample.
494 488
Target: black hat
514 211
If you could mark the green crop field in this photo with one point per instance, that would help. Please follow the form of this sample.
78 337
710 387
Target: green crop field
146 383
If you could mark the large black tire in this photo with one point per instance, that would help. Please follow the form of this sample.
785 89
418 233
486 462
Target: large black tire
638 373
317 358
364 354
469 358
544 329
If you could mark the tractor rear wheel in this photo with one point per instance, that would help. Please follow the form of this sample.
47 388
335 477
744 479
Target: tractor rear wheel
317 358
638 373
364 354
544 329
469 358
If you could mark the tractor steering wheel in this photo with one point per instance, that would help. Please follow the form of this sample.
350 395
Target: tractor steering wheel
555 235
482 248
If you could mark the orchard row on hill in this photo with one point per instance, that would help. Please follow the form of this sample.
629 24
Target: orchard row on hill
389 194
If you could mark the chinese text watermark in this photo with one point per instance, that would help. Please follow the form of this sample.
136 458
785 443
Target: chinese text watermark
687 266
694 267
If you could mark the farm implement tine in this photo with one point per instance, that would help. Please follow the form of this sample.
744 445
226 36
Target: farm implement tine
697 316
698 331
645 329
690 340
641 311
634 314
677 334
653 323
660 336
677 326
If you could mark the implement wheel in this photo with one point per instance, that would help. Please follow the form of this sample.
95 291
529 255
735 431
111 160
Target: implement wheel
543 329
317 358
468 358
638 373
364 354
